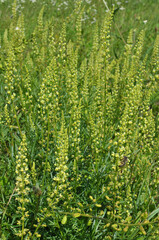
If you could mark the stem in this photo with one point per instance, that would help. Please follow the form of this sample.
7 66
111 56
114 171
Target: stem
48 134
39 225
17 121
115 23
23 207
105 220
120 33
8 204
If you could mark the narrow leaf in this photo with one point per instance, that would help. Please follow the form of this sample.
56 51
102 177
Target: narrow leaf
156 211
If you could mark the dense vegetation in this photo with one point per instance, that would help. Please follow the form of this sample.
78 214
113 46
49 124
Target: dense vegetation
78 125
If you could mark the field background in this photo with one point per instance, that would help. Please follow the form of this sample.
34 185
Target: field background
79 134
129 15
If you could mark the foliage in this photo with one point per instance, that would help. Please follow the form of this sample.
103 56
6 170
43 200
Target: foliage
79 132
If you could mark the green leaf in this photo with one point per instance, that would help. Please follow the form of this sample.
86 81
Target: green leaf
64 220
141 238
156 211
3 237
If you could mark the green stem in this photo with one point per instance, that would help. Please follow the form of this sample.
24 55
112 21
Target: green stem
47 153
107 221
23 207
17 120
39 225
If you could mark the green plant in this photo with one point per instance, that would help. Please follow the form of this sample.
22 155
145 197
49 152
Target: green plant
79 132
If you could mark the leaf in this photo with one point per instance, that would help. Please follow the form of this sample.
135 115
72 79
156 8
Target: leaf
156 211
115 11
134 234
141 238
3 237
64 220
76 215
56 224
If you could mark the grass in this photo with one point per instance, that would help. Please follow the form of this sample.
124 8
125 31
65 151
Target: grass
132 17
79 120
